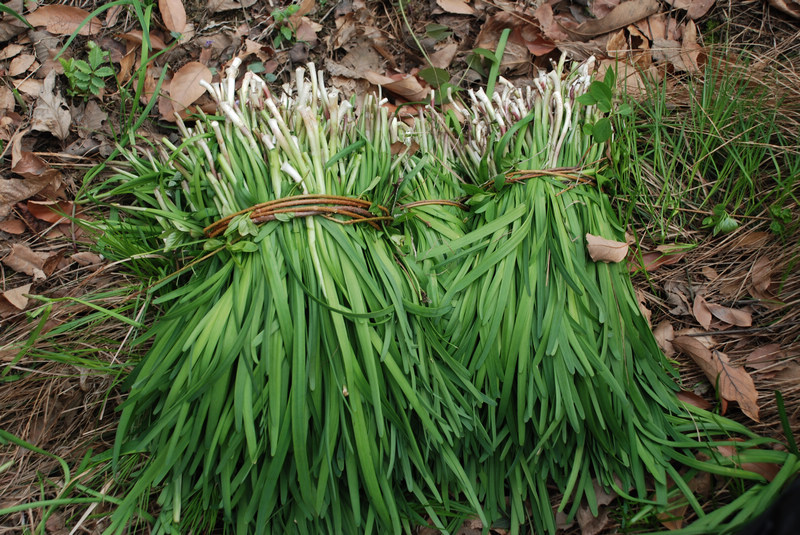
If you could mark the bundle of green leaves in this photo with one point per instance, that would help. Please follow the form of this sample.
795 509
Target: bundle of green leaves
369 325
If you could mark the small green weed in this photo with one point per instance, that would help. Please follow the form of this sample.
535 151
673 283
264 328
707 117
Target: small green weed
286 32
88 77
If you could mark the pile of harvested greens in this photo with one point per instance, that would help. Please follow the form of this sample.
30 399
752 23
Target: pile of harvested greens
371 323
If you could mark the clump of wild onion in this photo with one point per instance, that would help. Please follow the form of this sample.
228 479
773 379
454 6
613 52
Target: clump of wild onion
375 325
290 384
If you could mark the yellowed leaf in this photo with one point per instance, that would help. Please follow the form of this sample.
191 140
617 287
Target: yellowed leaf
407 87
459 7
701 312
732 383
64 20
17 296
173 14
604 250
185 87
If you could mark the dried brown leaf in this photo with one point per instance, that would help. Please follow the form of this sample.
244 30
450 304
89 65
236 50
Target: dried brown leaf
17 297
13 226
766 470
790 7
604 250
173 14
215 6
185 87
442 58
693 399
10 51
50 211
137 36
624 14
548 23
407 87
701 311
590 524
87 259
695 8
664 333
29 86
761 278
64 20
38 175
459 7
24 260
20 64
733 383
7 102
732 316
51 113
765 356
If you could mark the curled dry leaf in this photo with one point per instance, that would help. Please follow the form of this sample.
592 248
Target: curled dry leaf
701 312
459 7
790 7
761 278
173 14
406 87
51 113
38 175
185 87
733 383
23 260
17 297
64 20
604 250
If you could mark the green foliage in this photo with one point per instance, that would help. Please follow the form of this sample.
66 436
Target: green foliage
282 18
601 94
88 77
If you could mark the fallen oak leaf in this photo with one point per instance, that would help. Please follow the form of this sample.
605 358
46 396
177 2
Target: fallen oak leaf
733 383
64 20
604 250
